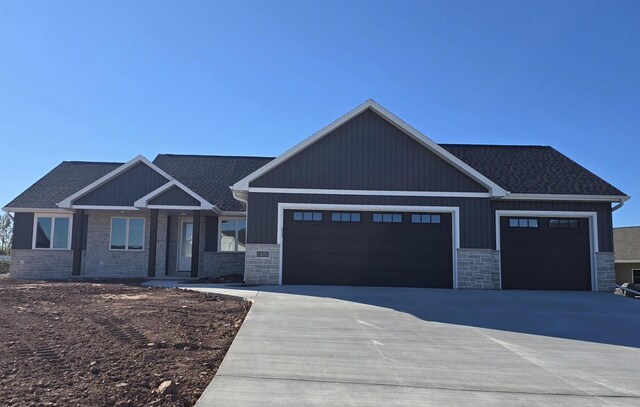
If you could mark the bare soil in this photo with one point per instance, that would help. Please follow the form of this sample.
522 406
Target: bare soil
103 344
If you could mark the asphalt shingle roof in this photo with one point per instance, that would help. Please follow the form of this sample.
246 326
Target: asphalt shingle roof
211 176
531 169
64 180
519 169
626 242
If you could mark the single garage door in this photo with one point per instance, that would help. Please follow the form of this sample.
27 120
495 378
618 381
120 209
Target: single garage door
545 253
367 248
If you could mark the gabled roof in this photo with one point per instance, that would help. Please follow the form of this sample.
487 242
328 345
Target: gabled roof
494 188
210 176
65 179
626 242
532 169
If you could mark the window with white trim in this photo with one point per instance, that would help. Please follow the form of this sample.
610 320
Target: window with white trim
127 233
52 232
233 235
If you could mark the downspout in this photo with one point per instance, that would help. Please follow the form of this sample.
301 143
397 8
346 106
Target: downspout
620 204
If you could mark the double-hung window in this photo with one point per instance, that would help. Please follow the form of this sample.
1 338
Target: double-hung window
233 235
52 232
127 234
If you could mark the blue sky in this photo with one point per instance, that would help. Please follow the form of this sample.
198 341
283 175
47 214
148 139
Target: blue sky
106 81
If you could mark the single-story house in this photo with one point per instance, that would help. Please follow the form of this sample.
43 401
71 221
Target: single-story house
367 200
627 243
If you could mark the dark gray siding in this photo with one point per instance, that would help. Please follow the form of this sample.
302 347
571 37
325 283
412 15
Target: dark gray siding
476 227
22 231
368 153
174 196
605 222
477 215
124 189
211 234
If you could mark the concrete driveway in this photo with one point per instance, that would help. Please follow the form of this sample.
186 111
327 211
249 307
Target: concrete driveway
361 346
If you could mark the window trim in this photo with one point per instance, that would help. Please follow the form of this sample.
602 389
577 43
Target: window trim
53 216
236 218
126 233
633 278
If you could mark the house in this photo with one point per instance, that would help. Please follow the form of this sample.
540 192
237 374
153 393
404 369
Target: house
367 200
627 243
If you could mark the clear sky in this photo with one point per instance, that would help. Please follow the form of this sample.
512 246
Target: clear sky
105 81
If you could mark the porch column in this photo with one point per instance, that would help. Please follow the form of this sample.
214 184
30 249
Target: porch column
195 248
78 227
153 243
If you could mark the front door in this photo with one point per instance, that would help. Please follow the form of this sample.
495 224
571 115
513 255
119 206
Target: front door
184 244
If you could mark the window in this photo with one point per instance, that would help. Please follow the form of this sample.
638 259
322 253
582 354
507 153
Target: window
425 218
233 235
523 223
345 217
636 276
563 223
387 218
127 234
52 232
307 216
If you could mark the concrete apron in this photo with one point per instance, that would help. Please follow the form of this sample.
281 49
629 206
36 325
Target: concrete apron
363 346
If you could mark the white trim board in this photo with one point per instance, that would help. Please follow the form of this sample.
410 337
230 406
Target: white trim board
454 210
494 189
593 232
67 202
368 192
566 197
34 210
144 201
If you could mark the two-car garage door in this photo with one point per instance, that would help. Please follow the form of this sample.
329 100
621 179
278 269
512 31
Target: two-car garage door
367 248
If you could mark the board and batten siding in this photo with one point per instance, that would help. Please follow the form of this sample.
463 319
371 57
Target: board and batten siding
22 230
124 189
475 213
368 153
603 209
174 196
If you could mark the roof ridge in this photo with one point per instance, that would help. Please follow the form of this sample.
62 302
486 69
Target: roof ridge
494 145
92 162
215 156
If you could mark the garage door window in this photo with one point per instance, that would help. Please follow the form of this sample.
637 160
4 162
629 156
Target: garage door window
425 218
345 217
523 222
387 218
307 216
563 223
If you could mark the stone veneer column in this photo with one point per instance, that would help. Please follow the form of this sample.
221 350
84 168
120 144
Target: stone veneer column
606 271
479 269
262 264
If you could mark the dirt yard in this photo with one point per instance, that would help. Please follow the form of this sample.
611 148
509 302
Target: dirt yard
86 344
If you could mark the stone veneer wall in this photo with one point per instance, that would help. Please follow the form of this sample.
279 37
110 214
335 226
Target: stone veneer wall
479 269
262 270
216 264
40 264
605 271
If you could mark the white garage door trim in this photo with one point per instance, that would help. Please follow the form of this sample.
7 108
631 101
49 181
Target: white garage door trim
593 233
453 210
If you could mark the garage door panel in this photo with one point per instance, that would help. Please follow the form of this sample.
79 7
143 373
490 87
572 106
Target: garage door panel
545 258
368 253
